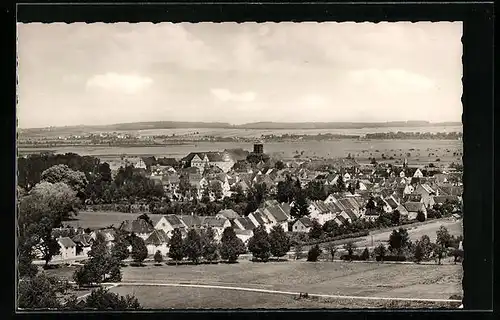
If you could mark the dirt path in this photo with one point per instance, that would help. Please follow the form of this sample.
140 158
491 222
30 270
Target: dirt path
157 284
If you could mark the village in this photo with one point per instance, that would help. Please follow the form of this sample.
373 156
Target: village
413 192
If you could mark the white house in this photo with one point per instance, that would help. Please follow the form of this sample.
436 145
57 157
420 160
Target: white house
259 218
322 212
168 223
67 248
418 174
304 224
158 240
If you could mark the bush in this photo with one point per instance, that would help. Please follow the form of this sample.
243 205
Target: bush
391 258
313 253
158 257
353 257
366 254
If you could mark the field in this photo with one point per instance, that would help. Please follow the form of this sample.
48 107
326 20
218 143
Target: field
242 133
329 278
421 151
203 298
100 219
454 227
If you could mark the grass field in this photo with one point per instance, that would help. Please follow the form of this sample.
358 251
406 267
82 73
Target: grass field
203 298
454 227
329 278
421 151
335 278
100 219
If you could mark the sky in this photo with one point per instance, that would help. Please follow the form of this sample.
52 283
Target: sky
95 74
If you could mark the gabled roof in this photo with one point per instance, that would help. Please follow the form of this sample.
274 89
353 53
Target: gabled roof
393 204
258 217
83 239
66 242
341 218
347 204
351 214
414 206
243 232
286 208
136 226
234 225
228 214
442 199
246 223
174 221
158 237
427 188
190 220
277 213
451 190
306 222
213 222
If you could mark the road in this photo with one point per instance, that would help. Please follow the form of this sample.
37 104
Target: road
207 286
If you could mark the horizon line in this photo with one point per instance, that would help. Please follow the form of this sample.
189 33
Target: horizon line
234 124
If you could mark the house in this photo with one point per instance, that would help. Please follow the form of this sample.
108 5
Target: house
168 223
380 201
139 227
190 221
442 199
157 240
392 202
243 235
427 194
418 174
109 235
67 248
217 224
244 223
277 216
83 244
304 224
322 211
222 160
450 190
370 214
413 208
228 214
259 218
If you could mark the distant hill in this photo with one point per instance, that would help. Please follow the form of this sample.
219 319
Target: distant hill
255 125
342 125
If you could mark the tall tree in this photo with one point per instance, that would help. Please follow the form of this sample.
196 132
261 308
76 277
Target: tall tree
62 173
380 251
193 248
231 246
443 237
350 247
300 207
279 241
316 230
332 249
285 190
120 249
176 250
259 244
139 249
39 292
209 244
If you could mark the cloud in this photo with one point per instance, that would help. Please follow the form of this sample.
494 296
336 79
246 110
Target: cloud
124 83
226 95
391 80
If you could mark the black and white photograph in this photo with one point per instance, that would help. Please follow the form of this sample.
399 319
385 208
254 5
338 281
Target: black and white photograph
311 165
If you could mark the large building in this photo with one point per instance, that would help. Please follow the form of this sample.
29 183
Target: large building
222 160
